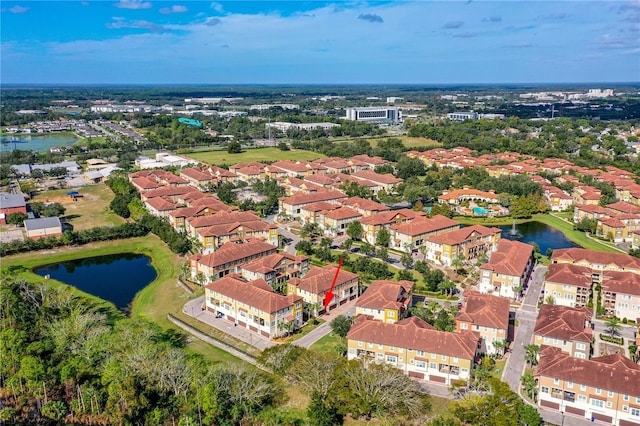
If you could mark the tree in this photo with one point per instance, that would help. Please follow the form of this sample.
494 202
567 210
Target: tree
407 260
441 209
408 167
225 192
305 246
613 326
457 263
529 384
529 416
282 146
320 414
310 229
355 231
234 147
443 321
16 218
52 209
531 355
404 275
341 325
383 253
447 286
383 238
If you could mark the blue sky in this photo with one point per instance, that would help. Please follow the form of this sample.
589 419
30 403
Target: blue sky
319 42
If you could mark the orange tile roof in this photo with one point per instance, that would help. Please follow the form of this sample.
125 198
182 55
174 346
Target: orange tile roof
621 282
459 236
381 294
235 252
485 310
256 294
569 274
594 257
415 334
318 280
341 213
388 217
425 225
510 258
564 323
611 373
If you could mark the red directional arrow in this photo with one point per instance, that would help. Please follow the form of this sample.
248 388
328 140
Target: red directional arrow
329 295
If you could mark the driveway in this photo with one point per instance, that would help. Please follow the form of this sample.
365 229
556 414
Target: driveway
291 246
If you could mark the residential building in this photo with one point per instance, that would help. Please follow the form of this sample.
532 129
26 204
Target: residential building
276 269
568 284
291 205
334 222
365 207
373 224
603 389
227 259
508 270
598 261
414 347
214 236
11 203
317 282
254 305
387 301
410 236
386 181
466 244
621 294
487 315
568 329
43 227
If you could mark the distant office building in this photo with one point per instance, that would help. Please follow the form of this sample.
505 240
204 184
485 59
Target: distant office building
463 115
389 115
285 126
394 99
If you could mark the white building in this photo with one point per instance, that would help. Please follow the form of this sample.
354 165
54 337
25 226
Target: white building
285 126
389 115
463 115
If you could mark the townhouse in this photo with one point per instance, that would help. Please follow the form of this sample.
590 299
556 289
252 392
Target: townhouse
275 269
558 199
254 306
386 301
565 328
214 236
291 205
387 182
603 389
489 316
373 224
227 259
599 262
410 236
311 212
568 284
317 282
508 270
620 294
365 207
370 162
414 347
466 244
195 224
618 228
178 218
334 222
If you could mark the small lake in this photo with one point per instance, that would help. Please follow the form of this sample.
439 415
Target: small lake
545 236
115 277
35 142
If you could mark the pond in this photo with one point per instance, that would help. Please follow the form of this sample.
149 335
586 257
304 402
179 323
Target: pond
545 236
115 277
36 143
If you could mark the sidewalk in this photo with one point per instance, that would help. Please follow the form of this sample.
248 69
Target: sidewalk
193 308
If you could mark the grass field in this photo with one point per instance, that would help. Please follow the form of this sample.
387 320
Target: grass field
152 303
327 343
89 211
254 154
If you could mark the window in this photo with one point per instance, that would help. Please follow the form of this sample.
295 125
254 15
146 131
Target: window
463 371
455 359
625 397
380 346
583 387
610 394
433 356
391 348
625 408
598 391
392 359
463 326
635 412
582 398
570 385
597 403
421 364
380 356
352 351
420 353
444 357
609 405
360 343
391 314
556 381
433 365
544 389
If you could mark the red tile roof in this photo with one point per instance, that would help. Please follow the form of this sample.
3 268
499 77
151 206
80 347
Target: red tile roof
564 323
318 280
425 225
485 310
298 199
459 236
598 258
415 334
235 252
621 282
387 294
341 213
510 258
387 179
611 373
256 294
569 274
389 217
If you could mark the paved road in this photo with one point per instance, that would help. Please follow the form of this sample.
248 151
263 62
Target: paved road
290 247
526 316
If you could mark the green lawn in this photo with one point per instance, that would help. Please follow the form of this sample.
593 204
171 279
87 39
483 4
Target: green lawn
89 211
254 154
327 343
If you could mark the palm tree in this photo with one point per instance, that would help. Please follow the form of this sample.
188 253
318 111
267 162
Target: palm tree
312 309
529 384
613 326
549 300
457 264
500 346
423 251
532 354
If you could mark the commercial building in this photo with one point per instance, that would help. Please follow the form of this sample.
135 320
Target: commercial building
383 115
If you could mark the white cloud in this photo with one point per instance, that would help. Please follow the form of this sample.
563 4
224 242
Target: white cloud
133 4
18 9
217 7
173 9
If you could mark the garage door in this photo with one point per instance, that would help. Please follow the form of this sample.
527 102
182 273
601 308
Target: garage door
416 375
574 410
242 324
628 423
549 404
230 318
438 379
602 417
265 333
254 329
